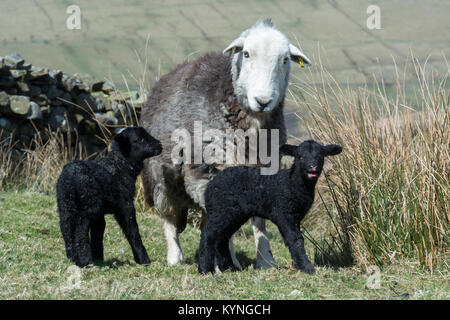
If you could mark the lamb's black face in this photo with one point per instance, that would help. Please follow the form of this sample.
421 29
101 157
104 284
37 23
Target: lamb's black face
137 144
309 157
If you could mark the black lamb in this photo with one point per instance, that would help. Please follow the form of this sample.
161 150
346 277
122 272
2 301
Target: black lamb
239 193
87 190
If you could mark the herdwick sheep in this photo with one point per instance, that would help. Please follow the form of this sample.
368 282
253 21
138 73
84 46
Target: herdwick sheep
239 193
244 90
87 190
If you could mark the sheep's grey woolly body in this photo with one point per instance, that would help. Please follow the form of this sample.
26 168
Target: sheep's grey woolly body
178 100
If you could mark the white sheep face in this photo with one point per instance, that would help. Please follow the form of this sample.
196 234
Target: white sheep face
261 65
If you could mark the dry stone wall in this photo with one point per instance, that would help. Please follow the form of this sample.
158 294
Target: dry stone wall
38 102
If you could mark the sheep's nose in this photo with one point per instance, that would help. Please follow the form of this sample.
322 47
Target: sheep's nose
263 102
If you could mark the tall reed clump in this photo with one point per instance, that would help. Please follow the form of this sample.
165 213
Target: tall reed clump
390 186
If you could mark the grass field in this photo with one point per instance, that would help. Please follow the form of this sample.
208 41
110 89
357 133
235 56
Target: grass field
33 265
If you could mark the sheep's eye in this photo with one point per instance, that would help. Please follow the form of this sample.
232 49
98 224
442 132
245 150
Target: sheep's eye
285 60
246 54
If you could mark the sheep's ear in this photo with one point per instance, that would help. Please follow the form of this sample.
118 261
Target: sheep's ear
234 47
288 149
298 56
332 149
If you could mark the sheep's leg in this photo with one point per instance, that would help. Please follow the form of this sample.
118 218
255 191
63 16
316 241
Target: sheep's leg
264 257
174 253
127 221
97 231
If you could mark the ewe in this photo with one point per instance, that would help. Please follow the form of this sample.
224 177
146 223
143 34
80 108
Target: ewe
245 92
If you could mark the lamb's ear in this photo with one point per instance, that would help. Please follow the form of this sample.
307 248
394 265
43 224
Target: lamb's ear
298 56
234 47
332 149
288 150
121 143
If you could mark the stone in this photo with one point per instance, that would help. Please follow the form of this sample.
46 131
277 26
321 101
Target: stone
53 92
37 72
16 74
26 129
103 101
108 87
41 100
56 74
60 119
56 102
26 66
86 102
19 104
5 124
34 91
13 60
71 83
96 86
34 112
124 96
88 127
4 99
66 99
107 119
23 86
7 82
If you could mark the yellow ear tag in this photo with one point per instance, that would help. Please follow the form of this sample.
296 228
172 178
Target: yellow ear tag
300 60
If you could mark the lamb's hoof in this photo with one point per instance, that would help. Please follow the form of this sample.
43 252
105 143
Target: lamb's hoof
205 272
86 265
144 263
308 268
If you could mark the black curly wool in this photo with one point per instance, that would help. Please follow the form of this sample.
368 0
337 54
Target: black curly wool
87 190
239 193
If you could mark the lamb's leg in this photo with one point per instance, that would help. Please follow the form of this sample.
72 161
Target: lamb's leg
236 263
67 229
293 239
264 257
206 252
81 246
127 221
195 188
223 255
97 231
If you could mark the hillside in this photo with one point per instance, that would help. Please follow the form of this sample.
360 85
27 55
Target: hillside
114 34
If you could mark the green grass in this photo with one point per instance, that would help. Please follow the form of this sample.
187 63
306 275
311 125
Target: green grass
33 265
